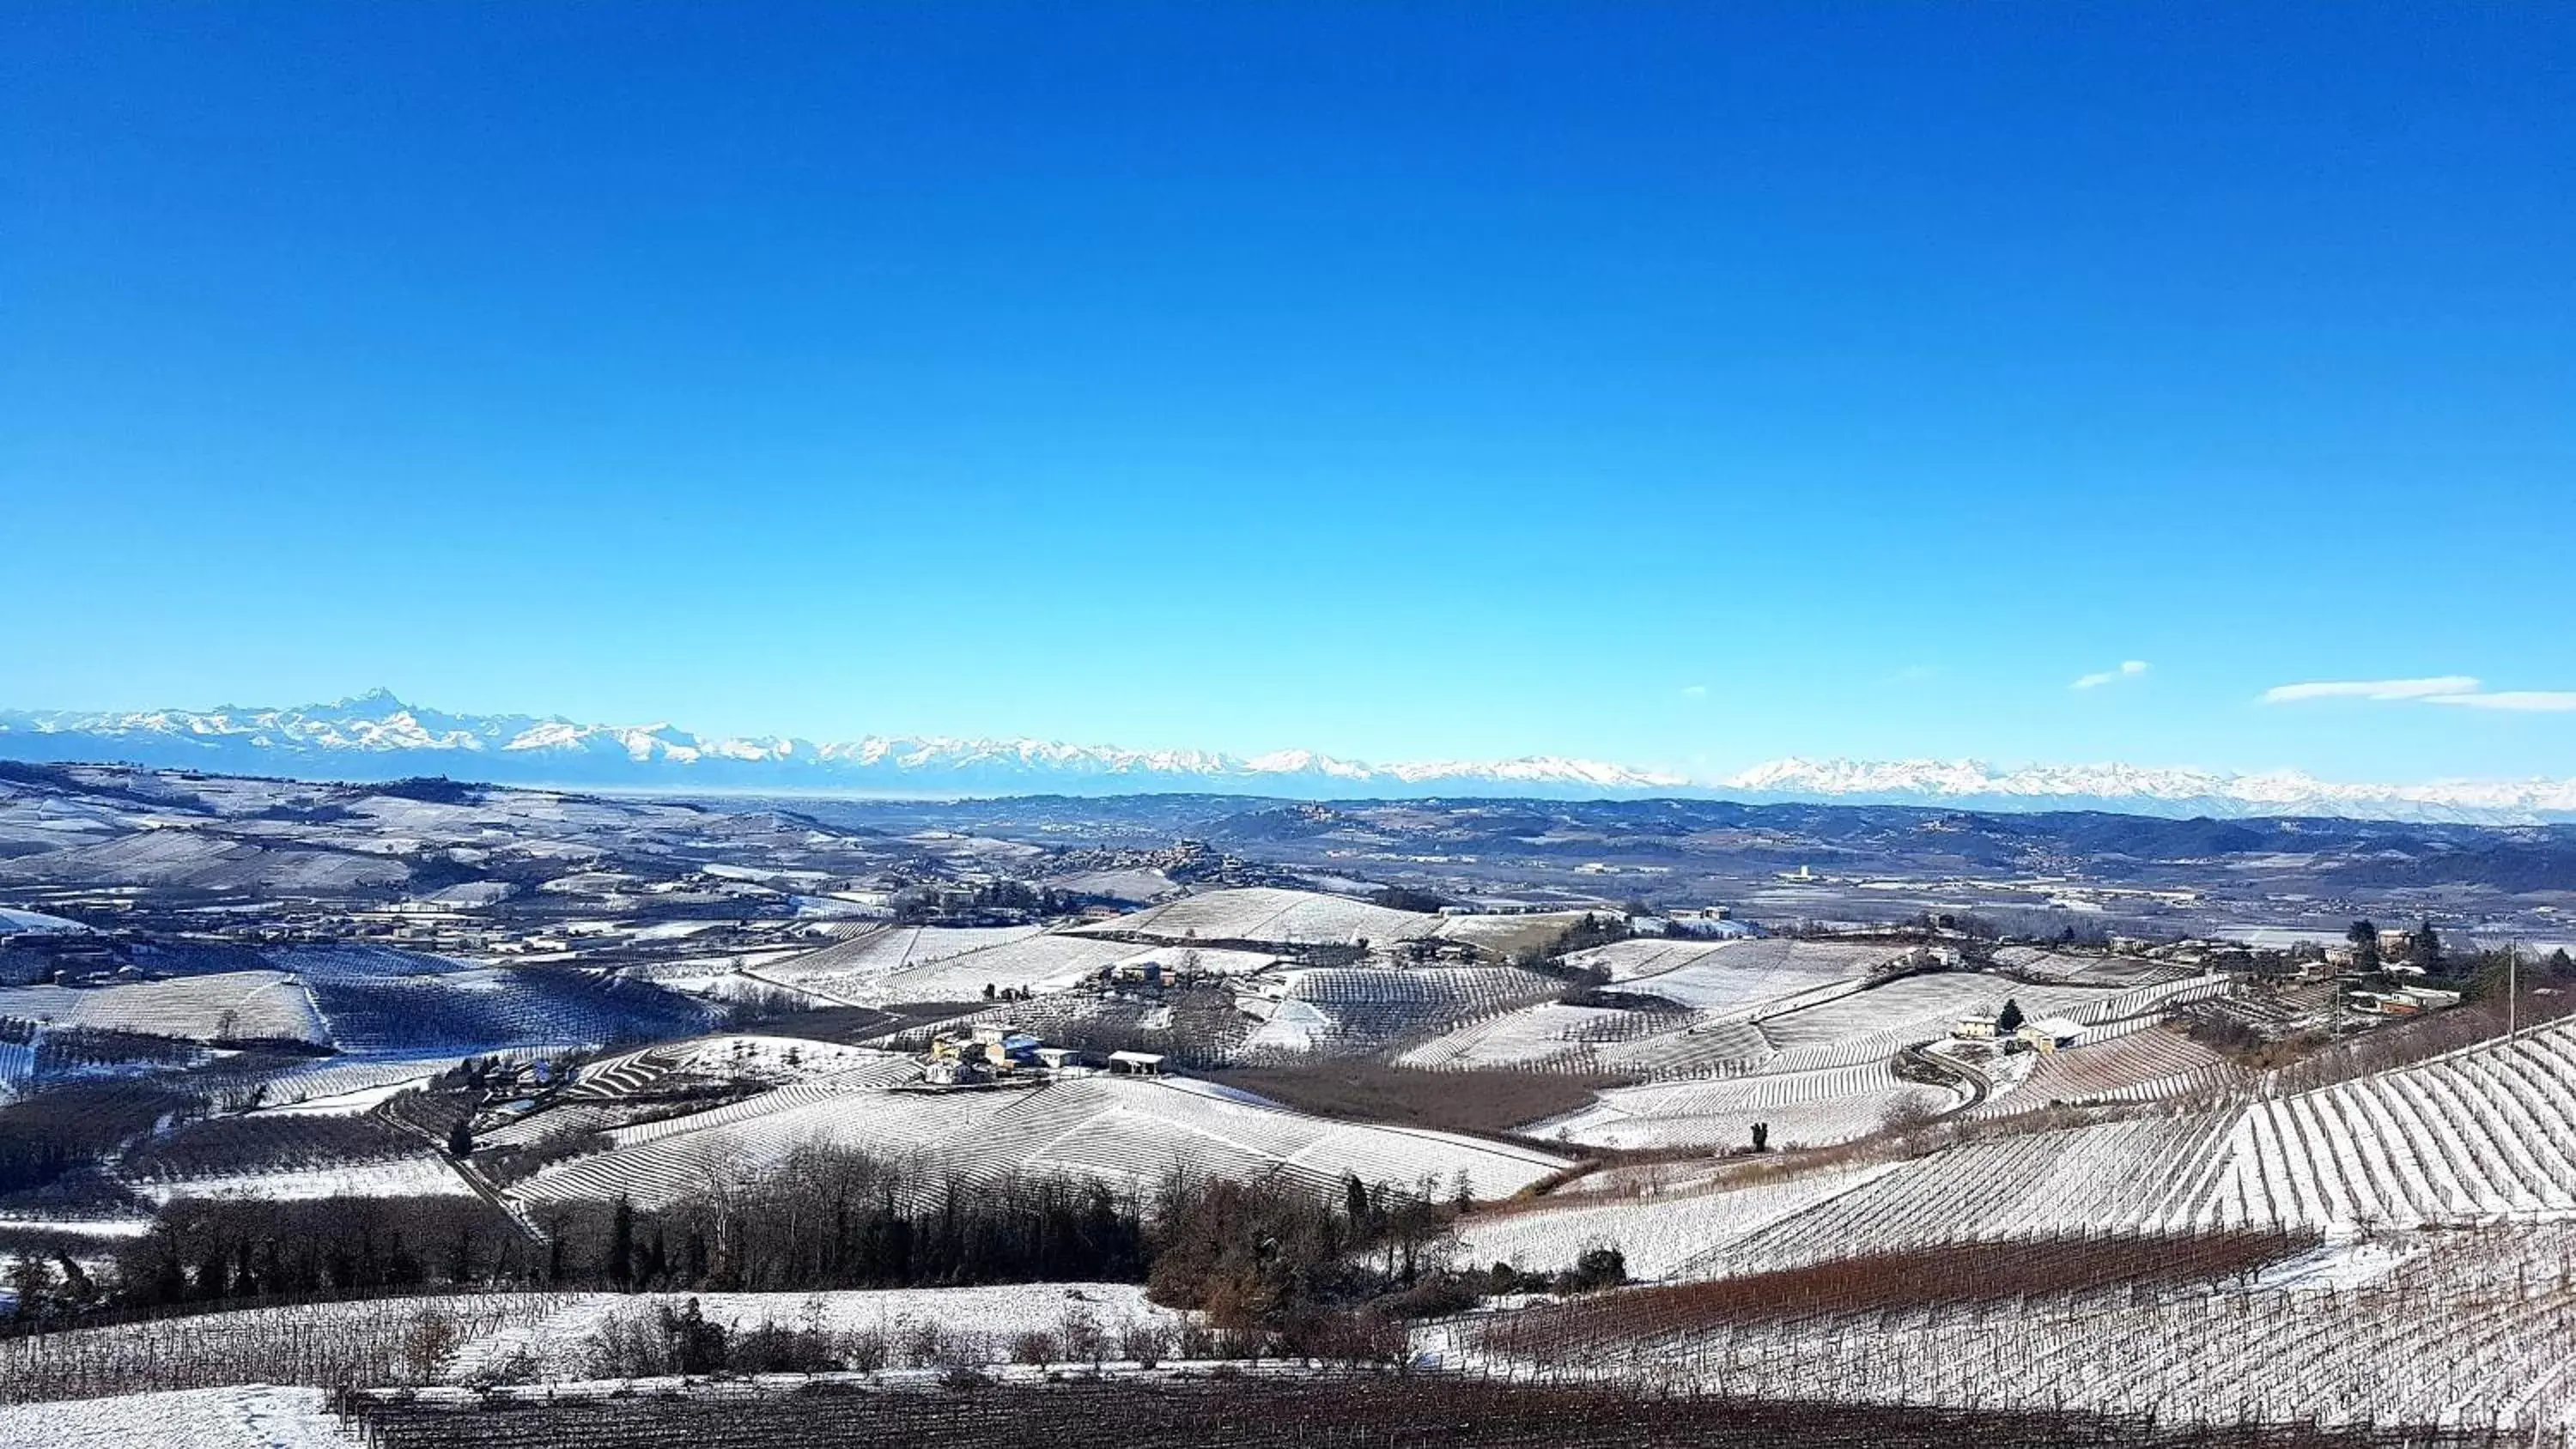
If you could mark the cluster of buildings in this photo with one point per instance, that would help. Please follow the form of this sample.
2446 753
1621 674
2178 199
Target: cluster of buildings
2039 1034
988 1053
2402 1001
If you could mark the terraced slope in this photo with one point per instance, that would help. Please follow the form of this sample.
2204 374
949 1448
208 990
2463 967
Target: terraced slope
2482 1135
2138 1061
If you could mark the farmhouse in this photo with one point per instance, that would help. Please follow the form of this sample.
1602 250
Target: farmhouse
2404 1001
2049 1034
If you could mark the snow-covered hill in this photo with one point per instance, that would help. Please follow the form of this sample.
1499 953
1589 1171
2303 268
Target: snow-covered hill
377 736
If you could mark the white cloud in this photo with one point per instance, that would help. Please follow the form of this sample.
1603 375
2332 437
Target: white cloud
2550 701
2439 687
2129 669
2453 689
1694 691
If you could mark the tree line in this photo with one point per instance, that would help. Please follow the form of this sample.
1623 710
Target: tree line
1279 1264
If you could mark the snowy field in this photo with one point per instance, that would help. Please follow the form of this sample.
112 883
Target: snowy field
1128 1131
248 1417
1737 977
1661 1238
910 963
522 1336
728 1057
1351 1010
1506 935
227 1005
1801 1109
980 1320
2069 969
1271 915
427 1175
1550 1033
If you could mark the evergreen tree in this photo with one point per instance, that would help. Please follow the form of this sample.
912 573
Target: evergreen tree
2428 948
2009 1020
32 1279
460 1140
621 1243
2364 937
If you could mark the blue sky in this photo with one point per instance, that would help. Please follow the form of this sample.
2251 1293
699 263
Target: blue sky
1684 385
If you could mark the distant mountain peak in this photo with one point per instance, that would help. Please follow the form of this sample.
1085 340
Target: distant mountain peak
378 698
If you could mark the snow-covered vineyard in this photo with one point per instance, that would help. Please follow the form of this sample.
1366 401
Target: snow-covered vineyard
2482 1135
2339 1336
1130 1132
2480 1138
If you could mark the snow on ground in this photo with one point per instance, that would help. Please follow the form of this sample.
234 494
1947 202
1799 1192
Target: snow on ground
1271 914
531 1336
915 963
857 970
1128 1131
250 1417
1506 934
1799 1109
2475 1136
735 1056
37 923
422 1176
80 1227
1116 885
1052 962
335 1078
2341 1264
357 1101
1659 1237
674 930
988 1317
2064 968
2225 1352
1292 1026
1738 976
1201 960
1548 1032
1364 1009
237 1004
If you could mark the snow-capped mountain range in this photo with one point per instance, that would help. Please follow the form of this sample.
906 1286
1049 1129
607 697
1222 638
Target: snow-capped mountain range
376 736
